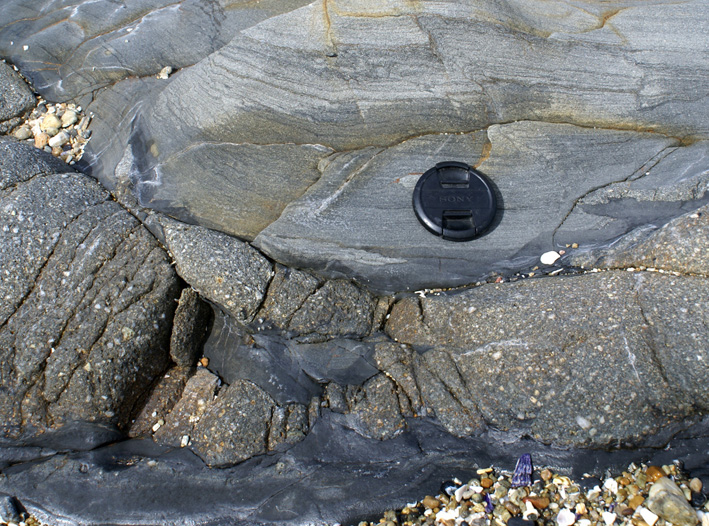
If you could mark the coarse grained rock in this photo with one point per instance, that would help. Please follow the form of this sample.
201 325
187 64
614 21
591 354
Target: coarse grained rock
584 360
289 289
338 308
195 398
682 245
87 302
16 97
375 408
190 328
219 267
235 426
20 162
166 392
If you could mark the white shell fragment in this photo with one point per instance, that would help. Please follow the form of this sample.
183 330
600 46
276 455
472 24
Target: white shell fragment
647 516
608 518
549 258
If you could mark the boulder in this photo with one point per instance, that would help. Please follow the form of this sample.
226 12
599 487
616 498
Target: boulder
588 360
87 301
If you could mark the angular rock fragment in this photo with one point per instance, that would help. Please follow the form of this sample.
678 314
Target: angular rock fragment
376 409
196 397
160 401
219 267
288 291
338 308
190 328
235 426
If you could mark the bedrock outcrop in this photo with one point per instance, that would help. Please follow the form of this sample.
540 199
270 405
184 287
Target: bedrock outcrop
87 298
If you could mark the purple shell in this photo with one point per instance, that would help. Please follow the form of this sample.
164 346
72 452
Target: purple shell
523 472
488 504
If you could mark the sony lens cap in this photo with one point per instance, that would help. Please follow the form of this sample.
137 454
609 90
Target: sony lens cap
454 201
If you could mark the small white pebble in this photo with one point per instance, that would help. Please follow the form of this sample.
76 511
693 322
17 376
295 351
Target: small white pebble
611 485
566 517
25 48
152 463
608 518
647 515
549 258
185 441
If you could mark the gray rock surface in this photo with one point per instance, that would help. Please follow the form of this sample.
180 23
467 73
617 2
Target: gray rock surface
87 301
338 308
682 245
16 97
197 395
190 328
222 269
237 425
78 47
374 96
166 392
531 355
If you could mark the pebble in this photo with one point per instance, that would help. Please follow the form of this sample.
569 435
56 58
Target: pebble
22 133
669 502
549 258
59 129
695 485
68 118
50 121
164 73
41 140
565 517
555 500
60 139
653 473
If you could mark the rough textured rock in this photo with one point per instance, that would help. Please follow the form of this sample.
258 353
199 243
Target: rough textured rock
16 97
20 162
220 268
338 308
682 245
532 357
288 291
235 426
190 328
160 401
87 303
198 393
376 409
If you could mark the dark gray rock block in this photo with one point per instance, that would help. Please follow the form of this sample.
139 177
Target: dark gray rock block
338 308
288 291
532 358
235 426
190 328
87 302
220 268
16 97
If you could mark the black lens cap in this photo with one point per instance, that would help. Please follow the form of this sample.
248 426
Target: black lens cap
455 201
